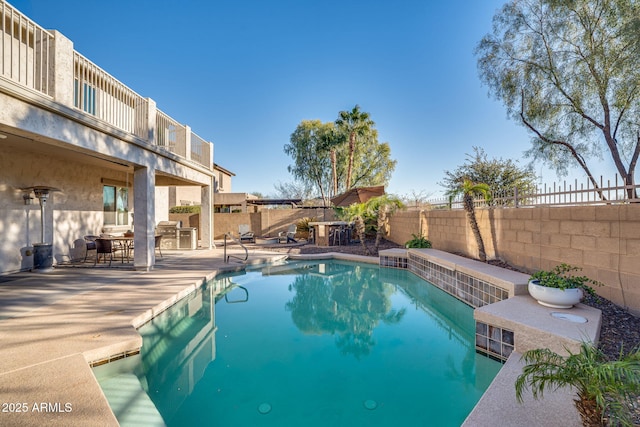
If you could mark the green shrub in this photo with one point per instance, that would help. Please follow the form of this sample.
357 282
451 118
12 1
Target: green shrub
418 242
185 209
303 223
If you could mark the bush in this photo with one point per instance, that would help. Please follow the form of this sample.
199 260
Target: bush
185 209
418 242
303 224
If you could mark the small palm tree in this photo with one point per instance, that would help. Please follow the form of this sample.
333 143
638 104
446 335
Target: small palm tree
356 213
382 207
469 189
603 386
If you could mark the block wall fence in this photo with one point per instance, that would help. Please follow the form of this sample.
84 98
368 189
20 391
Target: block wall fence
266 223
603 240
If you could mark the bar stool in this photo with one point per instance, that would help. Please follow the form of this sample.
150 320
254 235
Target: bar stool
336 235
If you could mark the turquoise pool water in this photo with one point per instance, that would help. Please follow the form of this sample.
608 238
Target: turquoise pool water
323 343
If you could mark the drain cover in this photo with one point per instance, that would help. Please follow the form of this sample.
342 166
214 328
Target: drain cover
370 404
264 408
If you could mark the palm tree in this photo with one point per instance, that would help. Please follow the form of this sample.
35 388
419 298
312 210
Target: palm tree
603 386
382 207
469 189
356 213
353 123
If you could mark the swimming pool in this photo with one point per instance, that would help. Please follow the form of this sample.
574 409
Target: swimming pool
314 343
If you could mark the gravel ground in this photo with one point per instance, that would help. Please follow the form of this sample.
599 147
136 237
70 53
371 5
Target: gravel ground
620 329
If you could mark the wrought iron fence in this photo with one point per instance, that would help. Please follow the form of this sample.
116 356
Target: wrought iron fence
558 194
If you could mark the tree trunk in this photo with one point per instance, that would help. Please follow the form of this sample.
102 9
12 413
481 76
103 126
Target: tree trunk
360 231
352 149
334 173
471 216
589 412
382 221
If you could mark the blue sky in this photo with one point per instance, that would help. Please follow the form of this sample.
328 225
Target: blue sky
243 74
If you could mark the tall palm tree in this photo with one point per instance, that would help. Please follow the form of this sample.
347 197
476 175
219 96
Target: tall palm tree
603 386
353 123
469 189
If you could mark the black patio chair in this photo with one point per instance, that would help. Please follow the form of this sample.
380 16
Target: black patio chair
104 247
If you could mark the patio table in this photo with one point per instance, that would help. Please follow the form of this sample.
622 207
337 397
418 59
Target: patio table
125 243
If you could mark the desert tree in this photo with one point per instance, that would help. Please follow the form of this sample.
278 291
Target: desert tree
569 72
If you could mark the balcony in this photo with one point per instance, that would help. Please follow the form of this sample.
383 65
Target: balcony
42 66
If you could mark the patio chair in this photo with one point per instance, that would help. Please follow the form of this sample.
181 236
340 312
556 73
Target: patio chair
104 247
289 235
90 241
246 235
158 241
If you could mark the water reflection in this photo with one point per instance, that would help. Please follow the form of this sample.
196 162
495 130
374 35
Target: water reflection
348 302
179 345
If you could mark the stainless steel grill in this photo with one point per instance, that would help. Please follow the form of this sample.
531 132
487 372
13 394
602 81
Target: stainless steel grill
169 232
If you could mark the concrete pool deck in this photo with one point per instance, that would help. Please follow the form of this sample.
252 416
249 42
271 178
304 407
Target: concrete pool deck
53 325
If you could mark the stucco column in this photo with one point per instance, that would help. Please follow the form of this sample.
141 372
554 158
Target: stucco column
61 69
206 216
144 218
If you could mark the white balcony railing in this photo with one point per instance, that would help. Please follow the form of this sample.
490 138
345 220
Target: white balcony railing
199 149
28 58
98 93
24 50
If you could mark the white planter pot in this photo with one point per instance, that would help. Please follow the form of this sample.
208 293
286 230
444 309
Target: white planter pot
554 297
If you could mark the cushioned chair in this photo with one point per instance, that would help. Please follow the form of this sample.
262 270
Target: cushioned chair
90 241
246 235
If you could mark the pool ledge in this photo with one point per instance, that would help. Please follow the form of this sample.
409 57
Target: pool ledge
533 326
498 405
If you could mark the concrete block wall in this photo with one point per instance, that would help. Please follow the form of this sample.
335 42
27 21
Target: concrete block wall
268 222
603 240
405 224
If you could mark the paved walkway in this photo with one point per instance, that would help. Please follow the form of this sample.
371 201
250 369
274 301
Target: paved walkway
52 325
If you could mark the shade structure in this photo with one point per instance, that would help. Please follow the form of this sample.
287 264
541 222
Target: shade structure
357 195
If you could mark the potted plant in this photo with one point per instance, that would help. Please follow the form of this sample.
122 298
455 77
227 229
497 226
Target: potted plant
559 288
605 388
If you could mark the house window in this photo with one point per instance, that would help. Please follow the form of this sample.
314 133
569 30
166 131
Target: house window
116 205
220 181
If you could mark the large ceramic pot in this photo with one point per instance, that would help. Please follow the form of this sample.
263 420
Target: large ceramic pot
554 297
